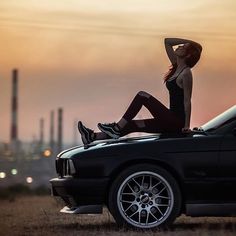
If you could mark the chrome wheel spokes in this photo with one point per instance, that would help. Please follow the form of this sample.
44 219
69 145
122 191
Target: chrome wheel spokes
145 199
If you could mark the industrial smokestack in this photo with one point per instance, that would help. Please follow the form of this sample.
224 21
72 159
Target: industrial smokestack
51 135
41 131
14 107
59 137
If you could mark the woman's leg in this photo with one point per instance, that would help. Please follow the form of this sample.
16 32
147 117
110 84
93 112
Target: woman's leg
162 116
101 136
156 108
169 124
135 125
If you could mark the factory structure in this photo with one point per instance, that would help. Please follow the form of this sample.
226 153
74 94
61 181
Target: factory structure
30 163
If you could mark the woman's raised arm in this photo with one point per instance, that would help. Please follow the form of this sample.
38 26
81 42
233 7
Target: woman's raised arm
170 50
170 42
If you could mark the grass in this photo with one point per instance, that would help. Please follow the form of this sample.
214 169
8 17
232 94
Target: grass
39 215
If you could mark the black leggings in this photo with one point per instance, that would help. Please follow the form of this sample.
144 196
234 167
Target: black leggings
164 120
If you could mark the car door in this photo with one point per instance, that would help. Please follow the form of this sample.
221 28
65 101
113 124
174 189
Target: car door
201 168
197 161
227 184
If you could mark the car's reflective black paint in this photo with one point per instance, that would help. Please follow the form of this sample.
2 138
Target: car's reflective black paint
202 162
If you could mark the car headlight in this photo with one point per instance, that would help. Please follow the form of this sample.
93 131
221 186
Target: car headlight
71 168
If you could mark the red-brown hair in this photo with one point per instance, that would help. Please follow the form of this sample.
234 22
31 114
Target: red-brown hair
194 50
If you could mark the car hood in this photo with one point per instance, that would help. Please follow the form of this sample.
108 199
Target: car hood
97 145
112 144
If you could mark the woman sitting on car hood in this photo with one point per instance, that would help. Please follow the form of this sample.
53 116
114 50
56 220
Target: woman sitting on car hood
176 118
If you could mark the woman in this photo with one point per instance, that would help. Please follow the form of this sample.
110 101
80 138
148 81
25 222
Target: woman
175 119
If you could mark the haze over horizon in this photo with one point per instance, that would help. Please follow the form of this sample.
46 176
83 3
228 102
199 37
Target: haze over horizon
92 57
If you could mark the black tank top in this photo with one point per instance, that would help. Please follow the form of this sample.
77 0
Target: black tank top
176 96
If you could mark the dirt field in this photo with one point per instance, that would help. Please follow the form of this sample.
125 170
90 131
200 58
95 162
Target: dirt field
40 216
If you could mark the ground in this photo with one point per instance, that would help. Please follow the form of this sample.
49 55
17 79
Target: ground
39 215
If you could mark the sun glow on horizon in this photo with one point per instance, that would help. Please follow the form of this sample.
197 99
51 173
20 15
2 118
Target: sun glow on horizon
76 45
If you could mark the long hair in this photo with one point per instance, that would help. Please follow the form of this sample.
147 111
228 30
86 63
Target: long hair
194 50
170 72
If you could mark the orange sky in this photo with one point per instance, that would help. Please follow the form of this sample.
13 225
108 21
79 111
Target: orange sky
92 57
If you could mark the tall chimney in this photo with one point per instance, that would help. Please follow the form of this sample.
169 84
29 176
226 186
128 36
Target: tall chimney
51 135
59 137
14 107
41 131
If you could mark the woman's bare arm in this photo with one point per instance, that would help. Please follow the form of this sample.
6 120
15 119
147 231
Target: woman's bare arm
187 87
170 51
170 42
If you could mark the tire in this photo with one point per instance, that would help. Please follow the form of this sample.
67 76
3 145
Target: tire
144 196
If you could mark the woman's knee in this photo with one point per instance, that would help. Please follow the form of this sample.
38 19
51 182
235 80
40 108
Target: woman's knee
144 94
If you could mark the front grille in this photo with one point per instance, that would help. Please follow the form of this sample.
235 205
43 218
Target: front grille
62 167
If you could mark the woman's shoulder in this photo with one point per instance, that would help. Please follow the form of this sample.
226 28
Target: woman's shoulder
186 75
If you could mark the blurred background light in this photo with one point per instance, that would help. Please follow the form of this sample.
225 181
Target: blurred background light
29 180
14 171
47 153
2 175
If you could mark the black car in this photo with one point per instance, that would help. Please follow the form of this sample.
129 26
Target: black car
148 181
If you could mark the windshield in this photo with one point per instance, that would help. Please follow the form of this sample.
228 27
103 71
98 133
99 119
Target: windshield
222 119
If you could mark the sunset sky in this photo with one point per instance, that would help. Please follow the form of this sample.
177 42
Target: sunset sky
92 56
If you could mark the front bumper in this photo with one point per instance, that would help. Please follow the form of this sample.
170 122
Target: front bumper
90 209
77 192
